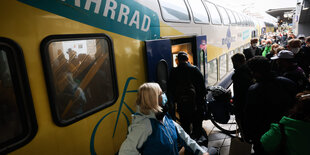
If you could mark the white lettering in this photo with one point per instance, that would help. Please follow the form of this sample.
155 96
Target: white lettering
135 19
98 3
124 13
111 8
76 3
143 28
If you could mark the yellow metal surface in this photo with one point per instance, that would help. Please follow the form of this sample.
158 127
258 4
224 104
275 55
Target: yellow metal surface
28 26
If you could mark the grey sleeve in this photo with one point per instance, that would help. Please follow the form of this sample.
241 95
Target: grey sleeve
187 140
138 134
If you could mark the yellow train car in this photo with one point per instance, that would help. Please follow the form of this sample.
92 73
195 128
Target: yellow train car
70 69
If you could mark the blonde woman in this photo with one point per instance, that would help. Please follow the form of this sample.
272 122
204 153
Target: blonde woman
153 132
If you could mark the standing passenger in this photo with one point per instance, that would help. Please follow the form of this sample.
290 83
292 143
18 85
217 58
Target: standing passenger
267 49
303 57
289 69
267 101
296 126
153 132
253 50
242 80
187 87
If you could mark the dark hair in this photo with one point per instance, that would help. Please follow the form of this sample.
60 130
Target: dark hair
301 110
182 56
238 57
254 40
259 64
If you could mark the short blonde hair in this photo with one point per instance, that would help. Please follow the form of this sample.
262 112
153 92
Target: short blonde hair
148 98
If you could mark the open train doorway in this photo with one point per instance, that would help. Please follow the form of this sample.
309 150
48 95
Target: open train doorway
161 56
196 49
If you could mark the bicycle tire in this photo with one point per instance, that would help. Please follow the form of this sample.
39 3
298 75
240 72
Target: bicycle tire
223 130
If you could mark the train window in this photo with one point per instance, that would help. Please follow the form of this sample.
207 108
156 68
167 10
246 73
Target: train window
248 21
212 72
231 16
214 14
199 12
174 10
223 65
80 75
241 19
230 65
224 15
237 18
17 119
245 20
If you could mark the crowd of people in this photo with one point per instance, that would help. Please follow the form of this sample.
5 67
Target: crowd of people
271 103
266 80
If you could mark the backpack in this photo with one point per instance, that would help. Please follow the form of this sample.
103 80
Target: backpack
185 92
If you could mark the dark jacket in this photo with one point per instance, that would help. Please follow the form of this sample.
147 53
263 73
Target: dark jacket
242 80
183 73
267 101
249 54
296 74
303 59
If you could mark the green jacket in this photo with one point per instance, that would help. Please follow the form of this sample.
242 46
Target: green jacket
266 51
297 137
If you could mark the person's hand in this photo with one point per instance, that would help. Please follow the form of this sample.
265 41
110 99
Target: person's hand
206 153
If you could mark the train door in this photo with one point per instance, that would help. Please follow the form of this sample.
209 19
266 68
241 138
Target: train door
161 56
201 46
159 61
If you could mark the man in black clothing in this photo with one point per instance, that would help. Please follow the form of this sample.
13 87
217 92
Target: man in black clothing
303 57
267 101
253 50
242 80
187 90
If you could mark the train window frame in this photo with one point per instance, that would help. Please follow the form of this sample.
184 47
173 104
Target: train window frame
204 8
217 72
244 22
231 14
50 81
239 22
221 76
230 65
222 16
24 100
174 21
212 13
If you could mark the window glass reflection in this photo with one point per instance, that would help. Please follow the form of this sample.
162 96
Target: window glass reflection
11 125
82 76
199 12
212 72
223 65
215 15
174 10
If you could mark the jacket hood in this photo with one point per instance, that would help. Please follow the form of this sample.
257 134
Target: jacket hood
139 117
298 124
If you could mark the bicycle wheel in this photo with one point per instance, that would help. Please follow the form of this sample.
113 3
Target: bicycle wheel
230 131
